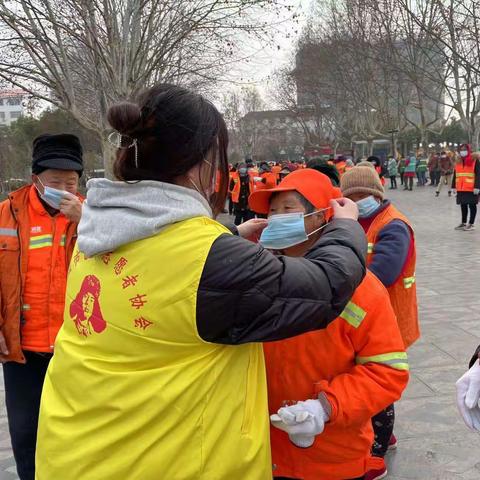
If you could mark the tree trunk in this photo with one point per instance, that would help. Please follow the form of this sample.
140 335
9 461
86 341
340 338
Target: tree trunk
370 147
108 153
424 138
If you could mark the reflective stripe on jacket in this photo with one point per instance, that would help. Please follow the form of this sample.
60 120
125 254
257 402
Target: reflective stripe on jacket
403 293
15 232
359 364
132 384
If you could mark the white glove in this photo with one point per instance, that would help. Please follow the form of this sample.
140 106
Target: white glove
476 191
468 396
302 422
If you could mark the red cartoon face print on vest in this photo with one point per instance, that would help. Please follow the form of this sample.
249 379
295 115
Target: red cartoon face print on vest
85 309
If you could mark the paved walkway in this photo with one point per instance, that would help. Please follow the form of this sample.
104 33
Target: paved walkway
433 442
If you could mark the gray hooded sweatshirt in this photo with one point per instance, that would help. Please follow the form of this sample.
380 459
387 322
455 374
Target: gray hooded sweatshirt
117 213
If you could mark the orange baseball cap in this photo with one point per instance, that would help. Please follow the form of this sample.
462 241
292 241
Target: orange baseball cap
311 184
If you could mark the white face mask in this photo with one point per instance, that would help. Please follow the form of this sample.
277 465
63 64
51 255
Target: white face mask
287 230
52 196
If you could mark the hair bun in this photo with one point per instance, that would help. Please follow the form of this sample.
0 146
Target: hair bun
124 117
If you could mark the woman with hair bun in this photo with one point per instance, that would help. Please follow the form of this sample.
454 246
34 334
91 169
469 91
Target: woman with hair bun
173 384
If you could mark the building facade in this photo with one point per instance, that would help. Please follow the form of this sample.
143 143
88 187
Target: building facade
271 135
11 106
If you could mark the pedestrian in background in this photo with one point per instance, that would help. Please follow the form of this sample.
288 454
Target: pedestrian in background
38 230
392 172
410 171
466 184
401 170
241 186
392 258
447 166
357 365
422 171
232 169
159 369
434 169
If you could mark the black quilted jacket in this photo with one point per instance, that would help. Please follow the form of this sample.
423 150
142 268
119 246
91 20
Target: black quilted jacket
247 294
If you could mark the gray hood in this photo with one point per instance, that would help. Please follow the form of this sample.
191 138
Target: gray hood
117 213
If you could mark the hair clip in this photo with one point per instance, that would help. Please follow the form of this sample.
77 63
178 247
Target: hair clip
115 139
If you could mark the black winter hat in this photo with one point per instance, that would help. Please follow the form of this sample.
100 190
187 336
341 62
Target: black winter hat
60 152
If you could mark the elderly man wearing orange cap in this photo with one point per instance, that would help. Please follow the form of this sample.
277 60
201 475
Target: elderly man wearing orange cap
325 386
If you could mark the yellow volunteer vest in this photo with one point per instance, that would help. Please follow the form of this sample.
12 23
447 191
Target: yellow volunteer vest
133 392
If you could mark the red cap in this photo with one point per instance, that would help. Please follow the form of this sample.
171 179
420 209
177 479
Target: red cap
311 184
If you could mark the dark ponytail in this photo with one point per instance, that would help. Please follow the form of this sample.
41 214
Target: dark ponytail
175 129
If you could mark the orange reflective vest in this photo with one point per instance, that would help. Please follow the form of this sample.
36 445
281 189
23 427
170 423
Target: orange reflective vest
379 171
403 293
35 251
465 176
44 290
276 169
359 365
231 177
341 166
237 184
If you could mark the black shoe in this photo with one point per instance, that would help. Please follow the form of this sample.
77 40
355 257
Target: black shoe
437 194
449 194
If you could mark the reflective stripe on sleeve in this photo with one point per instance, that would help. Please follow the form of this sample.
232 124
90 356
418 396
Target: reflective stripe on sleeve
370 247
408 282
353 314
8 232
397 360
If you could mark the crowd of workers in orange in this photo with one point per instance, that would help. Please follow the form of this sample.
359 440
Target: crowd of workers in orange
142 338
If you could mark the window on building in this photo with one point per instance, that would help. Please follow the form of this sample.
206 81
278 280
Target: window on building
2 116
14 101
15 115
1 101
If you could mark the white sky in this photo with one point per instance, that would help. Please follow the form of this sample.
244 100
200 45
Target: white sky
265 59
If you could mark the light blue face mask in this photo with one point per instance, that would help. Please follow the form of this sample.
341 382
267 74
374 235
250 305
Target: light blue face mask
52 196
286 230
367 206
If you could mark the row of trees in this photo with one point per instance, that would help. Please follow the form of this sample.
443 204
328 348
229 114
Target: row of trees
365 68
84 55
16 145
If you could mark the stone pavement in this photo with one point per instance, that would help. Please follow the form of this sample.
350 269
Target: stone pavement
434 444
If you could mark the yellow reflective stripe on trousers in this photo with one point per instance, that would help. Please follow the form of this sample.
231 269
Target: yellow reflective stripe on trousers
41 241
409 281
397 360
370 247
353 314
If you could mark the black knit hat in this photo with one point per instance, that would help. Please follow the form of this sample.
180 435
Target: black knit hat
60 152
